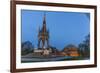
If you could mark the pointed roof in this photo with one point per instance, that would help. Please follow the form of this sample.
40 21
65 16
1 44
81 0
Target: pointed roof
44 24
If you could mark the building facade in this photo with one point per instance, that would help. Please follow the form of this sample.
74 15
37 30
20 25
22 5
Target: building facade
43 40
43 36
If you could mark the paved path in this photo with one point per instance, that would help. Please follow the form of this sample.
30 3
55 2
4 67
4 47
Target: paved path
34 59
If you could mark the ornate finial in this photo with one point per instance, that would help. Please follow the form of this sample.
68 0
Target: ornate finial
44 21
44 14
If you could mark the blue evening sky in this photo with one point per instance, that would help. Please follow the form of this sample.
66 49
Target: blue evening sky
64 27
